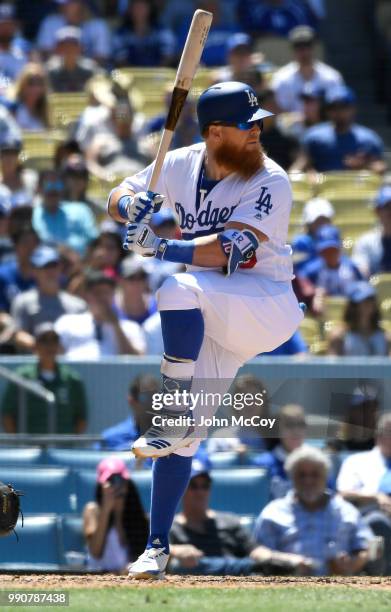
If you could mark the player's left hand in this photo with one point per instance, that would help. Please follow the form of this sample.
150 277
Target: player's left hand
141 239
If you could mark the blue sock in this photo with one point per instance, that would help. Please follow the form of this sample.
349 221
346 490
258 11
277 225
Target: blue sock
170 477
183 333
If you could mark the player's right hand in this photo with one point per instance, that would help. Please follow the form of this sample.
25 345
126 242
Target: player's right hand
141 206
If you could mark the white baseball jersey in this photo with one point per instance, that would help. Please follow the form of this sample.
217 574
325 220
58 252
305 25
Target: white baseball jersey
263 202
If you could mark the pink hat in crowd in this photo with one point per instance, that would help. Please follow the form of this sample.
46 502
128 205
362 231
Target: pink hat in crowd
110 466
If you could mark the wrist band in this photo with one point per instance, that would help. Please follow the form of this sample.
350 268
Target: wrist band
123 206
177 251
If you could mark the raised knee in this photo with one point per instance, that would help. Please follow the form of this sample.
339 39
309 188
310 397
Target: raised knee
176 294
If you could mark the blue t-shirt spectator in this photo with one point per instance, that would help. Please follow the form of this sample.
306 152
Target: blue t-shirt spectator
12 283
335 281
215 50
120 436
327 148
263 17
72 224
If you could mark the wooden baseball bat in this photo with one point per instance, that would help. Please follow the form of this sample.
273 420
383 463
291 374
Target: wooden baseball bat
188 64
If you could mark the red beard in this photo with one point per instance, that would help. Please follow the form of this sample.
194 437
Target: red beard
234 159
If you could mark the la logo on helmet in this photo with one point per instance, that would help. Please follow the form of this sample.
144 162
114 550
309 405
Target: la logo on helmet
251 98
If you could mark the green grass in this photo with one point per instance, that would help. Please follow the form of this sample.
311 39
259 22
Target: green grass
275 599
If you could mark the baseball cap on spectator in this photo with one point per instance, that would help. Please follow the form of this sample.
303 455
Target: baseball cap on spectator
383 196
340 94
134 267
11 144
44 255
302 35
315 208
240 39
311 91
110 466
327 237
165 215
7 12
200 467
68 33
360 291
45 329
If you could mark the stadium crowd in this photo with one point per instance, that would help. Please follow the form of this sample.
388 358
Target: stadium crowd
68 288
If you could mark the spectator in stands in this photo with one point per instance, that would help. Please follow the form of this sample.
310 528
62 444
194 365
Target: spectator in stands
134 301
291 426
139 41
76 179
358 423
71 404
278 145
364 480
66 223
106 252
6 247
331 273
99 332
31 99
288 82
316 213
19 182
208 542
12 56
9 129
361 333
322 531
275 17
312 112
244 439
372 251
17 275
95 34
114 149
44 303
115 524
340 143
214 53
68 70
240 63
120 436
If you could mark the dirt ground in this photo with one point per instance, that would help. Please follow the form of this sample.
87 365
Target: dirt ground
85 581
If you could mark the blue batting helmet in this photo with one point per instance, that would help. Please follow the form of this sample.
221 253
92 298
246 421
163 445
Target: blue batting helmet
230 102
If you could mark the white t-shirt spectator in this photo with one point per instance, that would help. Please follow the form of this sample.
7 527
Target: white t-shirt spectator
362 472
95 36
368 252
81 338
288 83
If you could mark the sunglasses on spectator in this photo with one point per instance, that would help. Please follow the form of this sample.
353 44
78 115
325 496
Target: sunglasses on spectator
246 126
35 82
48 339
49 186
308 474
199 486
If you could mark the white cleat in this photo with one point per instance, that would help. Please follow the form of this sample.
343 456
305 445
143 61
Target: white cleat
151 565
161 441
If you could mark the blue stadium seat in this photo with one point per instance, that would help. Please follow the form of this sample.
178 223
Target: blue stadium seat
72 541
86 483
240 490
21 456
83 458
45 489
224 459
38 546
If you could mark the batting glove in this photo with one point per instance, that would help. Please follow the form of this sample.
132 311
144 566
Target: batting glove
140 206
141 239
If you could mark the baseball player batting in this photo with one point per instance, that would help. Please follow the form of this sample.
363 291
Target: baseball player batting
234 301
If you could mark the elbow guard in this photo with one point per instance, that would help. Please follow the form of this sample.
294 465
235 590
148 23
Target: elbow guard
239 247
